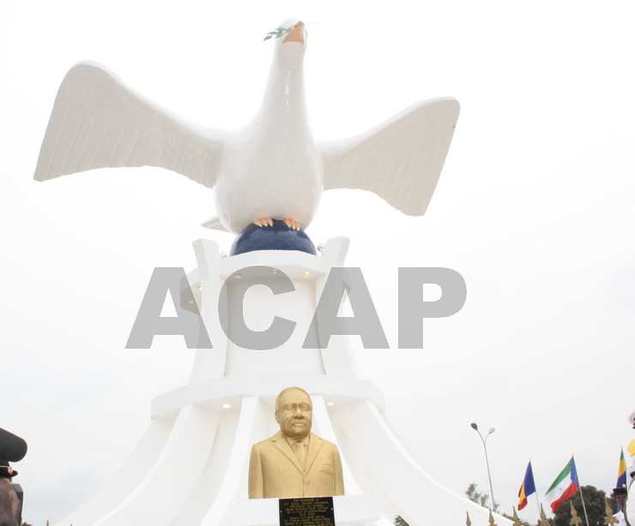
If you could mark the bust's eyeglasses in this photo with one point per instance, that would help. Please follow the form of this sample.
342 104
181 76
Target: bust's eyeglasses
294 407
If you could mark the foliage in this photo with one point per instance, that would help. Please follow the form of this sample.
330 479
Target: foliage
595 507
278 32
399 521
482 499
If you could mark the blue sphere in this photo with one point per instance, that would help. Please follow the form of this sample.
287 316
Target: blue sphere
276 237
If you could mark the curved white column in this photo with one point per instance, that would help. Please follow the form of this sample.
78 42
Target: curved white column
207 287
159 498
220 511
127 478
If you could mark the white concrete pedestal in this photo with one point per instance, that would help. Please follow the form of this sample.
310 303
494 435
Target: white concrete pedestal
190 467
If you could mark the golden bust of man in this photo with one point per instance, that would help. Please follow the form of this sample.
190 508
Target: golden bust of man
294 462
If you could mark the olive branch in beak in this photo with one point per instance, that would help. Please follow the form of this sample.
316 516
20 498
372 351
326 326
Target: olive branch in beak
278 32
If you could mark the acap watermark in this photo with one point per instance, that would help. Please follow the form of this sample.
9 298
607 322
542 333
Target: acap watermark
326 321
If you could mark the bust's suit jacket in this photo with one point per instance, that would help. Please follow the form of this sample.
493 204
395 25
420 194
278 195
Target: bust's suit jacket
275 472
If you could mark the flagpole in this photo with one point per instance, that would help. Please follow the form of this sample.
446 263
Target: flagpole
538 500
536 492
586 517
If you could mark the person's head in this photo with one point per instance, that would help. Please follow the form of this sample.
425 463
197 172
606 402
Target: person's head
12 449
6 471
294 412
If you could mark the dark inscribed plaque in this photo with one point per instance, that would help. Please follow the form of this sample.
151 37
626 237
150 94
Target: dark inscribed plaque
313 511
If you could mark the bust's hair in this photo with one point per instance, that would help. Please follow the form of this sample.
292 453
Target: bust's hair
286 390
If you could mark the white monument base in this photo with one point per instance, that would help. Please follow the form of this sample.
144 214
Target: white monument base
191 466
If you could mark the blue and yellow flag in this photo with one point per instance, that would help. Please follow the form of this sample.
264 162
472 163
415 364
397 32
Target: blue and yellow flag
621 472
526 488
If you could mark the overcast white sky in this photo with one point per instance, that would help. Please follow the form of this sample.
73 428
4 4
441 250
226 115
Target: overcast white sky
535 208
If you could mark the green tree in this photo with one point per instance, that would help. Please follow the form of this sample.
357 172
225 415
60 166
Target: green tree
481 499
594 502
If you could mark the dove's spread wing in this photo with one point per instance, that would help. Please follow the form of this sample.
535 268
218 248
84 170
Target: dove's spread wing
97 123
400 161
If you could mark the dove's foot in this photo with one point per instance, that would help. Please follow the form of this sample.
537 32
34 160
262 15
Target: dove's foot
263 221
280 236
291 223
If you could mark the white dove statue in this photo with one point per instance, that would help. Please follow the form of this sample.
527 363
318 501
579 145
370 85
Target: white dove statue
270 170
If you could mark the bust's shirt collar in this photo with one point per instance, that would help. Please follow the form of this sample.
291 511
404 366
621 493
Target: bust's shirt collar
306 441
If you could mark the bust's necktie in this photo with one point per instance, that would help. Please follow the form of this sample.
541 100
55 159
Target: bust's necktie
299 450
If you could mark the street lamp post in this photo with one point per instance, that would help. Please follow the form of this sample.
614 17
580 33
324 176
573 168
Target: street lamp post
474 426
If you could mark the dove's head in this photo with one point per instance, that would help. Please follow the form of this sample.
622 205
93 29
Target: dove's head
290 39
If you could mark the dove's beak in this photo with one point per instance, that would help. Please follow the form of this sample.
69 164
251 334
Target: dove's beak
296 34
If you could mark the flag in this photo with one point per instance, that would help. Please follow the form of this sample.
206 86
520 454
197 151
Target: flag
621 472
564 487
526 488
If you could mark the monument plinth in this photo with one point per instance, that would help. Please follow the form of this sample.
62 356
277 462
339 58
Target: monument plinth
191 466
